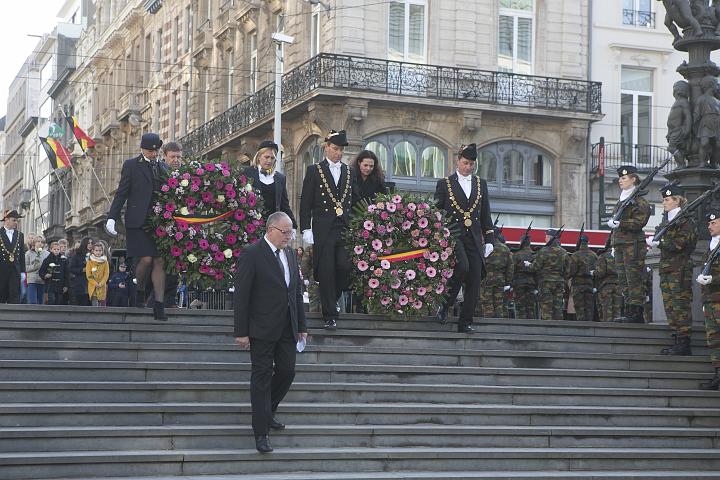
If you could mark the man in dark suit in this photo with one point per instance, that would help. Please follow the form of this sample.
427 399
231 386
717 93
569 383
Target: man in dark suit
269 319
325 202
12 258
140 178
464 197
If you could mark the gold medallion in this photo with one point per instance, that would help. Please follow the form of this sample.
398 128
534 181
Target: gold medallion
338 211
468 222
11 257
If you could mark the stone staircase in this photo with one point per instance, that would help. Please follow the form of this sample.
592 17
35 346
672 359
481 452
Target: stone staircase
89 393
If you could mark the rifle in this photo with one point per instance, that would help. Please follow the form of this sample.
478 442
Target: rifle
686 211
525 235
556 236
582 230
495 222
711 259
640 190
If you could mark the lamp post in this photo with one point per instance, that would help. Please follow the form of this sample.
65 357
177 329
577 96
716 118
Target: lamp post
279 39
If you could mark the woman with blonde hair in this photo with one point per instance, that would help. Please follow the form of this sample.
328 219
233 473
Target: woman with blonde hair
268 182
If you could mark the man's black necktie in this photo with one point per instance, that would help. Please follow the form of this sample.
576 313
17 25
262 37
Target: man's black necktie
282 267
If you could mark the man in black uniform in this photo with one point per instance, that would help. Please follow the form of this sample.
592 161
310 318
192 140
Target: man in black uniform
464 197
12 258
327 195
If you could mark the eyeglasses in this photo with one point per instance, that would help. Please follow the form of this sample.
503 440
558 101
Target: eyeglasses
286 233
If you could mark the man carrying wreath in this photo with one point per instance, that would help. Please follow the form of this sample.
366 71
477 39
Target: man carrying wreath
464 197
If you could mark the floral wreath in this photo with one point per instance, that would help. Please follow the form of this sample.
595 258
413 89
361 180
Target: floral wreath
402 254
203 218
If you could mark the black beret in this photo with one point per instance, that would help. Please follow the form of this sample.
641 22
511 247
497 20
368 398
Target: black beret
627 170
551 232
712 214
671 190
268 144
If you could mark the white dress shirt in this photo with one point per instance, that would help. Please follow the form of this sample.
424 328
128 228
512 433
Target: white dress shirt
10 234
335 170
465 184
266 179
283 259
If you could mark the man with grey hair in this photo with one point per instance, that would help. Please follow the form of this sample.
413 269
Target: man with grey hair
269 319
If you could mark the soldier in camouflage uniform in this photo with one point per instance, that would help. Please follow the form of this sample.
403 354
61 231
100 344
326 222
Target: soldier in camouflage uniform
524 280
711 300
606 285
306 270
498 281
676 247
550 265
580 264
628 240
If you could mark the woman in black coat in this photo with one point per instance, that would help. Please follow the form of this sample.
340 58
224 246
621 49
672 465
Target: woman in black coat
78 280
369 175
269 183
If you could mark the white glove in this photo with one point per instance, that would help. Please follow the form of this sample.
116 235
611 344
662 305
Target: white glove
488 249
592 273
293 235
231 289
612 252
594 290
527 264
23 276
506 288
704 279
612 223
308 236
110 227
650 243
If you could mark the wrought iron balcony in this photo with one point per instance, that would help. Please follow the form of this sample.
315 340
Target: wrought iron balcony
359 74
639 18
644 157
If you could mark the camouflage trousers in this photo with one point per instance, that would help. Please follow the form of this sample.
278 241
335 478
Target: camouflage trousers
676 288
608 302
584 302
551 300
524 301
492 302
630 266
712 331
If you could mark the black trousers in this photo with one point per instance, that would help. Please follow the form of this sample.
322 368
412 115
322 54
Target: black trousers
273 371
9 284
468 272
332 272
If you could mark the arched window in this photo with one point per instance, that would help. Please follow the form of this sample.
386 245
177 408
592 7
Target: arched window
312 153
411 160
513 168
486 166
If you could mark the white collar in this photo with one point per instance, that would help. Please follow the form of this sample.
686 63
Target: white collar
10 231
626 193
262 172
272 247
673 213
463 177
332 164
714 242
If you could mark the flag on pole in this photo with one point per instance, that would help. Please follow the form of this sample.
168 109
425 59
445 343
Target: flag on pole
57 154
83 138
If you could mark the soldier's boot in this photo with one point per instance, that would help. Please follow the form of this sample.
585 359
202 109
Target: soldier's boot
442 314
633 314
681 347
713 384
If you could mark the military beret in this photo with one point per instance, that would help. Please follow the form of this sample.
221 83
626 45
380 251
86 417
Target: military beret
469 152
268 144
151 141
627 170
671 190
711 215
337 138
583 239
551 232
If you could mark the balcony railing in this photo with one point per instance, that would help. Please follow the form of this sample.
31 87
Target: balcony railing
108 120
639 18
644 157
359 74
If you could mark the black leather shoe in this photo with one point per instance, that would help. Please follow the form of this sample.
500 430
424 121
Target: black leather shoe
442 314
262 443
465 329
330 324
159 311
713 384
681 347
275 425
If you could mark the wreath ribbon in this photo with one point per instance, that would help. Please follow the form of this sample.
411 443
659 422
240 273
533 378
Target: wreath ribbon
202 219
399 257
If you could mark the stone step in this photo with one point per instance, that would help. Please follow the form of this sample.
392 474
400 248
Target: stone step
204 437
195 462
154 333
229 392
149 414
58 370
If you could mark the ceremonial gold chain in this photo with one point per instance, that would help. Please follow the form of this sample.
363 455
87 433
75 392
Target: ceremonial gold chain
10 255
466 214
338 203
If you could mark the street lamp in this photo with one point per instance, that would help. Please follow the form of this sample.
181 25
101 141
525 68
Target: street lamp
279 39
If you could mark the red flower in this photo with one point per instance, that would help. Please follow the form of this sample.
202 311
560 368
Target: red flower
230 239
160 232
175 251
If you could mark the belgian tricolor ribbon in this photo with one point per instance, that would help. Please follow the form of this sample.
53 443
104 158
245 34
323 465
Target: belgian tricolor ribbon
202 219
57 154
83 138
399 257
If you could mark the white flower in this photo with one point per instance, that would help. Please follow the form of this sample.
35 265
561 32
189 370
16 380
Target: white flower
184 211
221 198
184 182
52 265
227 253
248 187
192 258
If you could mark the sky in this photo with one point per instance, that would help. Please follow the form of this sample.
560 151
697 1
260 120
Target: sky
17 21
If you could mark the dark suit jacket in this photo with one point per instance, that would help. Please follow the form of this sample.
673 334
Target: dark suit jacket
317 209
135 188
482 229
19 243
262 300
282 203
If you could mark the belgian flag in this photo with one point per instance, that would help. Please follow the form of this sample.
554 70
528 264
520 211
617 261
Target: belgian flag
57 154
82 137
